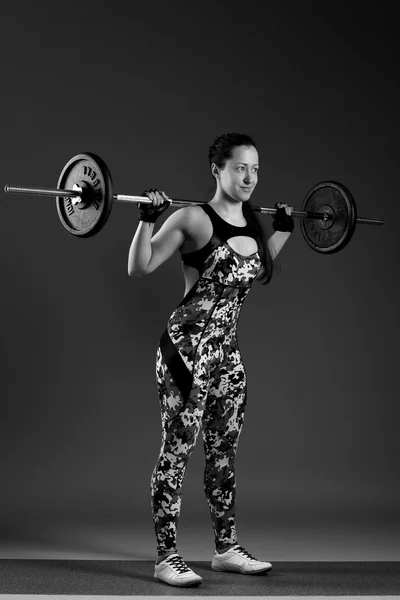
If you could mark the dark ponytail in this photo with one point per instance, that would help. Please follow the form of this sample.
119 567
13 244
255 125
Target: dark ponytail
221 151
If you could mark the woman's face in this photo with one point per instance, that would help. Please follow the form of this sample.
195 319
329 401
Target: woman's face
240 175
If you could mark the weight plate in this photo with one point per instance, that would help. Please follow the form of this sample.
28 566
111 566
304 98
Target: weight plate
91 173
332 235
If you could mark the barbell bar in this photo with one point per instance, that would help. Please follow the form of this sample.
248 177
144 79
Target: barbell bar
76 197
84 198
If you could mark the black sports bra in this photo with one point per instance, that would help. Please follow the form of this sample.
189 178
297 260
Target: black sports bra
222 231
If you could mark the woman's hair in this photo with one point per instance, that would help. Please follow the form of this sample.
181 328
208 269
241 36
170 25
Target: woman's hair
221 151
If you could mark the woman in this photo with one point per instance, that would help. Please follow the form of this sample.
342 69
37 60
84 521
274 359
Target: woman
200 374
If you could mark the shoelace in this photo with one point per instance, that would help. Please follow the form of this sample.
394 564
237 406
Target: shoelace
179 564
246 554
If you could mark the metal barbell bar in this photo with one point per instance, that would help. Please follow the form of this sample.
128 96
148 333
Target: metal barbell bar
84 197
77 194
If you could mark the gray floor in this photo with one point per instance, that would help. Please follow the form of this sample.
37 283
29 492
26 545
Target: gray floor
132 541
91 539
116 578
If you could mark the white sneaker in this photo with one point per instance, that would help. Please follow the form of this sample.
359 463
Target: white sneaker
238 560
174 571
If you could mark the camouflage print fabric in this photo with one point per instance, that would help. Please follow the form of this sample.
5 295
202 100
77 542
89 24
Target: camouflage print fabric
202 385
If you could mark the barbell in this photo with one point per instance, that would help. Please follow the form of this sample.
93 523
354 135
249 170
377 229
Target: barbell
84 198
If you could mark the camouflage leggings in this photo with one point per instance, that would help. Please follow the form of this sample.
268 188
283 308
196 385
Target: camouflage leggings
216 404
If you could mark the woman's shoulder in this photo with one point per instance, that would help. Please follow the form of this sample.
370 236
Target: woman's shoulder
193 221
192 215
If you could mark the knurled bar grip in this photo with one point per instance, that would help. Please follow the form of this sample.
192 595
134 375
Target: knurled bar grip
144 200
270 211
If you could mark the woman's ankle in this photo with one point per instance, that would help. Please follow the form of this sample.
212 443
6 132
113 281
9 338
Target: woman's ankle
225 548
162 557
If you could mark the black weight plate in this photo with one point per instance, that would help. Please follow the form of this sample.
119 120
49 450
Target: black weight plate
90 172
333 235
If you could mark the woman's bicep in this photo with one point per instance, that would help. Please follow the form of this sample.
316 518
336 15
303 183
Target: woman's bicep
167 240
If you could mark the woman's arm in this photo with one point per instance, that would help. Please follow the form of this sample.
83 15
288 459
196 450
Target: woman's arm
147 253
283 225
277 241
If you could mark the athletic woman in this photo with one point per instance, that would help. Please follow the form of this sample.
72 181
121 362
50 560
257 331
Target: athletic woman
200 374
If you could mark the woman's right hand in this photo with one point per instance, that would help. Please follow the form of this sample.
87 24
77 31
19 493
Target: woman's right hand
151 212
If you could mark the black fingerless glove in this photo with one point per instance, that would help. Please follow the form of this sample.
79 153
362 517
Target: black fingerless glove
282 221
149 212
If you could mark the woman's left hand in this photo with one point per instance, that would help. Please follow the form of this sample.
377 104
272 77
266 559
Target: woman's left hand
283 220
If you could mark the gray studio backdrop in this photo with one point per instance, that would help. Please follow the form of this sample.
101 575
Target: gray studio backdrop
148 88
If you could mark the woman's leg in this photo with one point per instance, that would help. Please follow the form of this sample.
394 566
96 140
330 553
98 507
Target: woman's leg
222 424
181 421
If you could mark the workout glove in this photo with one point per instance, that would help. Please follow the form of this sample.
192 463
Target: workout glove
149 212
282 221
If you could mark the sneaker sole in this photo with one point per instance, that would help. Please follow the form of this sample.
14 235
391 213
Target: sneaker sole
239 570
179 584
